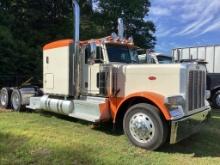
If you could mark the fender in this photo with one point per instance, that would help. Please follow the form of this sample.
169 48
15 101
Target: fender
155 98
215 88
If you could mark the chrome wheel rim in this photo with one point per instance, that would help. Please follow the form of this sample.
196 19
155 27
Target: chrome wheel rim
3 98
218 100
141 127
15 101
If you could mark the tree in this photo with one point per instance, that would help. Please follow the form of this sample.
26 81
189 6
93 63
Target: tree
27 25
133 12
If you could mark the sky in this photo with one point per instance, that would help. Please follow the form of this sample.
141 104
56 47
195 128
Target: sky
182 23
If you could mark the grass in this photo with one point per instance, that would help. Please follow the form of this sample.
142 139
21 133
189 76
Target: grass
36 138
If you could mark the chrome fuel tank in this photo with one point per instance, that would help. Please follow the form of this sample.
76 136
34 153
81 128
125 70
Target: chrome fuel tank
55 105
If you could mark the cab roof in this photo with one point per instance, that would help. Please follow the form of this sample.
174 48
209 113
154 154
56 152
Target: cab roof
67 42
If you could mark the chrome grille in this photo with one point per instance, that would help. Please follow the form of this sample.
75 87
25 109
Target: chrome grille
196 89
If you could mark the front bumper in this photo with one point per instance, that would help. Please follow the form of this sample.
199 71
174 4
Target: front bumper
184 127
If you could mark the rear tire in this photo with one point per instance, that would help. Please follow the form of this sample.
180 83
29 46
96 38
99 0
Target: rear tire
5 98
145 127
216 99
16 100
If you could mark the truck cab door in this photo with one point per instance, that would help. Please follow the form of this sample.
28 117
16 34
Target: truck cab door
91 69
93 78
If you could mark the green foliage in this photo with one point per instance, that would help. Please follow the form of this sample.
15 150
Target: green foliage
133 12
27 25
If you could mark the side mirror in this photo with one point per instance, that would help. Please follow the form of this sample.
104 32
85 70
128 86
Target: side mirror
93 53
178 55
148 58
90 53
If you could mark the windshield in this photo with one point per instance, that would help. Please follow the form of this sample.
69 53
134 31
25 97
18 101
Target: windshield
164 59
121 53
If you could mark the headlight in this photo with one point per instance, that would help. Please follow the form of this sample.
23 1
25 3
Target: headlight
175 105
175 100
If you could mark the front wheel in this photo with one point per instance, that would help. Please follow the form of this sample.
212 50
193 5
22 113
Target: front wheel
144 126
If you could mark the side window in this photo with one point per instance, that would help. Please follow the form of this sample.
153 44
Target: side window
99 55
153 61
99 58
150 59
87 54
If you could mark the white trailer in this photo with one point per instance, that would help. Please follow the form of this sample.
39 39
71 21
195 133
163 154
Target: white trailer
209 54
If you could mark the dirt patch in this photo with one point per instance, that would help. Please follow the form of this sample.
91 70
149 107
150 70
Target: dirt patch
5 110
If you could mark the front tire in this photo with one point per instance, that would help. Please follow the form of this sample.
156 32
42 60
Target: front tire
144 126
5 96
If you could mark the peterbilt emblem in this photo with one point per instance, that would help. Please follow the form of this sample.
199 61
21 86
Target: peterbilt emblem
152 78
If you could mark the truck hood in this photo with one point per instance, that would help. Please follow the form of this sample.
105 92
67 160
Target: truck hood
166 79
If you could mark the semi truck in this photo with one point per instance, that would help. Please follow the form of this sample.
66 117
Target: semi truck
100 80
211 55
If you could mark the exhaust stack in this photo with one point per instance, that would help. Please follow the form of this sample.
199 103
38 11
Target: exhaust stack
75 69
121 29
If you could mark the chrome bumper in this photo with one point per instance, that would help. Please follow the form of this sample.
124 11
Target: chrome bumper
184 127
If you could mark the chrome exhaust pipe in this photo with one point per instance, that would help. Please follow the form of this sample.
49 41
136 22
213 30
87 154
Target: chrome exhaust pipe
121 29
76 74
76 25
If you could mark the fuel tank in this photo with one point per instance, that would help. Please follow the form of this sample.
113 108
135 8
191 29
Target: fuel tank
55 105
